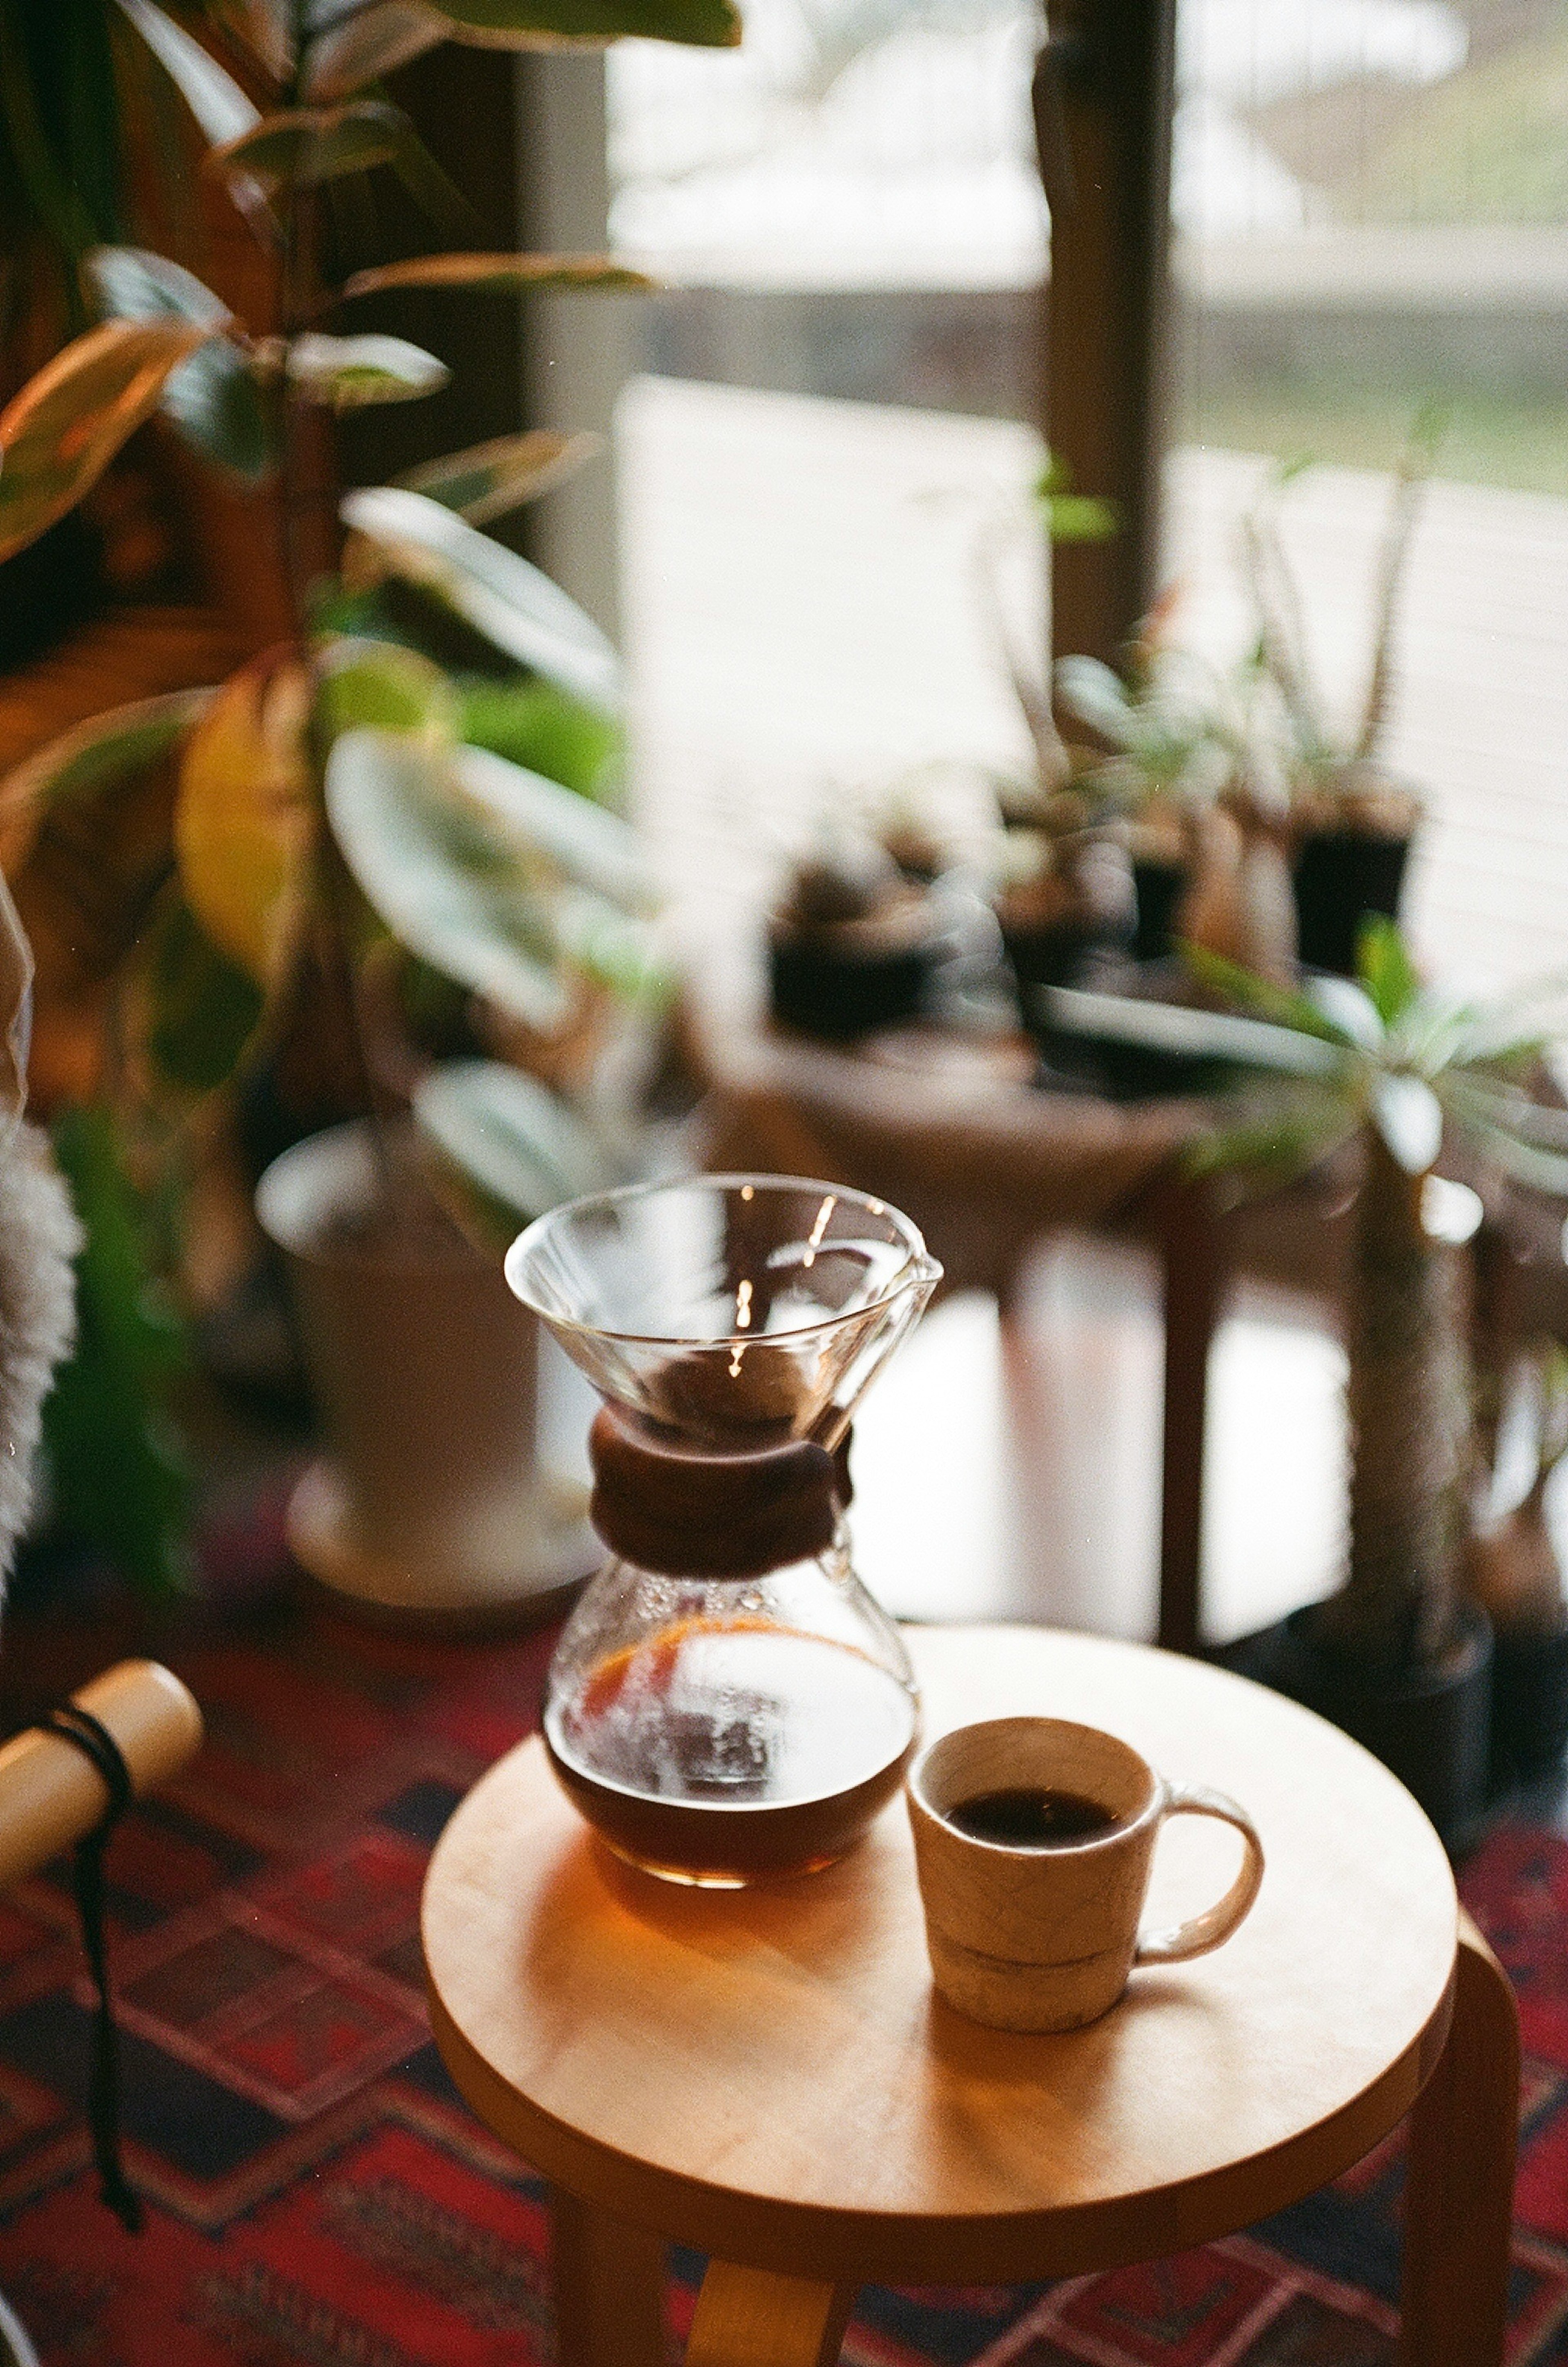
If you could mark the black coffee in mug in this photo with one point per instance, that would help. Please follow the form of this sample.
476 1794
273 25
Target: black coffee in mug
1031 1815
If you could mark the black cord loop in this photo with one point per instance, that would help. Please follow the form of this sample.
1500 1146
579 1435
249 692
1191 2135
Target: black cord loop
80 1728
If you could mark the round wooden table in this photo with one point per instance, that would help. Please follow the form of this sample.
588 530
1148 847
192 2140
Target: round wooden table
768 2075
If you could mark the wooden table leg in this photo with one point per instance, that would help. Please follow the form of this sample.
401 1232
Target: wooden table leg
609 2280
749 2318
1458 2197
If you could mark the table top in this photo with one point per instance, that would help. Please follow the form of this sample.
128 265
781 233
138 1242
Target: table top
769 2075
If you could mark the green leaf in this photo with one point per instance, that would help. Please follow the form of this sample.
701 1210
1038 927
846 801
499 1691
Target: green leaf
344 57
452 885
347 373
202 1008
515 607
1385 969
489 480
538 23
302 147
482 274
500 1150
538 727
1409 1117
1349 1010
118 1474
213 97
128 283
483 878
111 747
1281 1006
1079 517
59 435
1097 696
1191 1035
216 403
384 687
596 849
15 1013
213 398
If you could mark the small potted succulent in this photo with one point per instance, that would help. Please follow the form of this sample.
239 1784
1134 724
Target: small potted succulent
853 940
244 899
1353 821
1400 1653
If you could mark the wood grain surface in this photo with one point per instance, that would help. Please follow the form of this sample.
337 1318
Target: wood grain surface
768 2075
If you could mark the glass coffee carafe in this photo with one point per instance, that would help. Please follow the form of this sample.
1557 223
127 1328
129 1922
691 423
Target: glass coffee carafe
727 1702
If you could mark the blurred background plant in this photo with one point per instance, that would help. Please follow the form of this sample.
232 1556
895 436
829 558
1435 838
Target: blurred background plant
264 907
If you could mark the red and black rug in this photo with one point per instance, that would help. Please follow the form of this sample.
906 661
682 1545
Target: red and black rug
317 2194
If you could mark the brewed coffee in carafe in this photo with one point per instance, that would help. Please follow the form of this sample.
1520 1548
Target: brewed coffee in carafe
728 1702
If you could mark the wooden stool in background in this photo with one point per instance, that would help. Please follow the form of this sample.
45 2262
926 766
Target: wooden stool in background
768 2077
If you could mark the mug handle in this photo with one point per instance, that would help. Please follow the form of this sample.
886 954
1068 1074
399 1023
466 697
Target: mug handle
1201 1933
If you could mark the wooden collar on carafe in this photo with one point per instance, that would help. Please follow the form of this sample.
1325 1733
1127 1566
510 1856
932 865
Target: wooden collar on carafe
687 1512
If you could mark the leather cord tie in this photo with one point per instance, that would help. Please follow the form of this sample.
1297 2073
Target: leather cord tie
95 1741
687 1512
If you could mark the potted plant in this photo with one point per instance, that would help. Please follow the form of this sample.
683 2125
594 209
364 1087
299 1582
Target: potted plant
273 873
1399 1655
1187 774
1060 890
1353 820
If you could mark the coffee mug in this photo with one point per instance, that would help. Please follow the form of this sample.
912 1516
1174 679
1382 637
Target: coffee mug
1033 1841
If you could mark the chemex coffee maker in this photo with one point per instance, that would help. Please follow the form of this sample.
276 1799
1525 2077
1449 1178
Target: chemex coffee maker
727 1702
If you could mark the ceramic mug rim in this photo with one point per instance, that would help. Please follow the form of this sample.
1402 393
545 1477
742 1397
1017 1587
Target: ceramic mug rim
1125 1830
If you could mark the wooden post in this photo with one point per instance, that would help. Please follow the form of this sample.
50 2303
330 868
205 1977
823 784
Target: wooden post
750 2318
1103 103
609 2282
1459 2194
1193 1278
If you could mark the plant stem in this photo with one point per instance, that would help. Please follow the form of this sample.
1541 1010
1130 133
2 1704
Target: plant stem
1409 1409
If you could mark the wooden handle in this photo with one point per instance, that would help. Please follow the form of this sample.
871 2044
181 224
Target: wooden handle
51 1794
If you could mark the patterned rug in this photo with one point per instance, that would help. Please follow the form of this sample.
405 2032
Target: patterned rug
317 2194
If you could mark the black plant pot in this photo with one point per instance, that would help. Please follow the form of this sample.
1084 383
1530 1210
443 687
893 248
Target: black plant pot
1529 1706
1431 1729
1341 876
1157 887
841 991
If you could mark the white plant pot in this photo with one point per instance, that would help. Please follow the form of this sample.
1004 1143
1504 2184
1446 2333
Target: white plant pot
428 1499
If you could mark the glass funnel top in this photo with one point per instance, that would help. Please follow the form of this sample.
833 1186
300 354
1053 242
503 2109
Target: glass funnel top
730 1307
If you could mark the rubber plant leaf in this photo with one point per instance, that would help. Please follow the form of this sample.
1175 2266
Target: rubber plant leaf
385 687
1350 1009
117 1476
242 820
95 756
481 273
545 731
344 57
15 1015
500 1148
509 602
349 373
212 94
1079 517
491 479
213 398
584 841
202 1009
452 885
540 24
59 435
305 146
